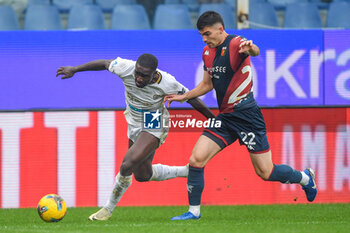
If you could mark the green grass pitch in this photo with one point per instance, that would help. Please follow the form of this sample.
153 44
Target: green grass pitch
318 218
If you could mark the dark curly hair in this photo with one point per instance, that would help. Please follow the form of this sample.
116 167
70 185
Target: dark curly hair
148 61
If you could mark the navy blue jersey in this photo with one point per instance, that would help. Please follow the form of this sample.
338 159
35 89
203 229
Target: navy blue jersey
231 74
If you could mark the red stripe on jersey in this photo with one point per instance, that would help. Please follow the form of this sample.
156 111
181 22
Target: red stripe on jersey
237 64
259 152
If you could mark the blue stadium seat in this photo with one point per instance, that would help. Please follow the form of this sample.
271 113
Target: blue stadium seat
65 5
228 14
302 15
192 5
42 17
321 4
125 2
263 13
86 17
232 3
339 15
172 16
8 19
108 5
172 1
130 17
39 2
281 4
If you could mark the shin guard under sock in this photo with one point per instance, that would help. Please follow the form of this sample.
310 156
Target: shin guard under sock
285 174
195 185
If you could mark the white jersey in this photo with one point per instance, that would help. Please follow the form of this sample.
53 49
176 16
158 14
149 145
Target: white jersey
148 98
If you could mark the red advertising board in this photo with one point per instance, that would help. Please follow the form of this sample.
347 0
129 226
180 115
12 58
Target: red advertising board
77 154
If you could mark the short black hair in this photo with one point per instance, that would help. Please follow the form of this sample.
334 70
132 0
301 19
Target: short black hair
209 18
148 61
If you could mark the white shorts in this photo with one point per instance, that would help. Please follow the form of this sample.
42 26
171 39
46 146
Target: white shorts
135 126
134 131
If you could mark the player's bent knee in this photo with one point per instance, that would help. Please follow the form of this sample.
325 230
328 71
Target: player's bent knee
196 161
263 174
264 177
126 168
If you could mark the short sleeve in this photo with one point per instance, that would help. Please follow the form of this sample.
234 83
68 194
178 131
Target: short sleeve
236 58
174 87
121 67
205 56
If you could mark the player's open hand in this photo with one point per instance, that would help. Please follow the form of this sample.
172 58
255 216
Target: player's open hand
171 98
245 46
66 71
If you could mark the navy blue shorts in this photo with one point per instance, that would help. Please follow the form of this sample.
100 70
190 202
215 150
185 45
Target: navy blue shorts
246 125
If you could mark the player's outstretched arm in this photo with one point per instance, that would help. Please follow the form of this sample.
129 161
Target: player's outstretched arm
191 97
201 107
202 88
69 71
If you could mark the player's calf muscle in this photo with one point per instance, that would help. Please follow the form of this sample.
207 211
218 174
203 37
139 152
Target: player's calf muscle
143 177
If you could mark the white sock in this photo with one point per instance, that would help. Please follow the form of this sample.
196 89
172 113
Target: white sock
195 210
304 179
121 184
165 172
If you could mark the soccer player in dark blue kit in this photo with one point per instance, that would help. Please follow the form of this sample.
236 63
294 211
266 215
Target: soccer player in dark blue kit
227 69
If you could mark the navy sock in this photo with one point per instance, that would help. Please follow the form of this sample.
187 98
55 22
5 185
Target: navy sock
285 174
195 185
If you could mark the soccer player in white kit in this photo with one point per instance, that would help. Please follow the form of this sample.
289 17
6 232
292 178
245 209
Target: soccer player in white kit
145 88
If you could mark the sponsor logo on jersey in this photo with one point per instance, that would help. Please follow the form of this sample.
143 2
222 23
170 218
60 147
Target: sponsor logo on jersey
152 120
223 51
217 69
134 99
206 52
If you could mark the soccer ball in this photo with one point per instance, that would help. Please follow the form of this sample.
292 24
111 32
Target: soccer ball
52 208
